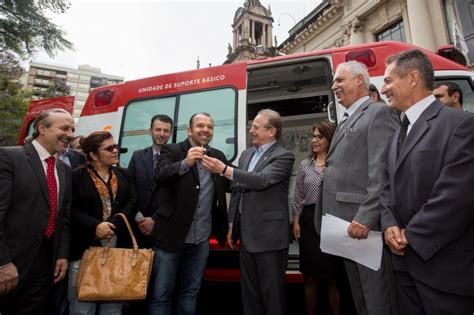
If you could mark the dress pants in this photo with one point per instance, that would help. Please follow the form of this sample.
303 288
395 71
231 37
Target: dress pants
31 294
262 279
417 298
374 292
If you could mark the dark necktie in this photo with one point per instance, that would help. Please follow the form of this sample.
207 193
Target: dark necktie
403 132
344 118
156 160
53 195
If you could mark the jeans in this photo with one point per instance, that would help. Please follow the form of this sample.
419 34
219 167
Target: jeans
86 308
185 268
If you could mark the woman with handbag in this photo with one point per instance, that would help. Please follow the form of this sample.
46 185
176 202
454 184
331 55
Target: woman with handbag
99 191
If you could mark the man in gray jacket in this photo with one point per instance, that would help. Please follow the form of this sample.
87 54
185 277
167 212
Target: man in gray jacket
260 202
354 178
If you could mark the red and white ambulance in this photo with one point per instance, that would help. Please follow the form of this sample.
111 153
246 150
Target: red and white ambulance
298 86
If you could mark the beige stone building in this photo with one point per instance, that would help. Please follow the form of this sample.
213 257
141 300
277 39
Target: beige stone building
426 23
80 81
252 33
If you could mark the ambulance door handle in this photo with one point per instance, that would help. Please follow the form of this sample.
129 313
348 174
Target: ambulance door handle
331 112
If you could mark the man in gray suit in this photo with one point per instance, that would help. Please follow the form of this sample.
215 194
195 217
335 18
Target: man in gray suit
260 201
354 178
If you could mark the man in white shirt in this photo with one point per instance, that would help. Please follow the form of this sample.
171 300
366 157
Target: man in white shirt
34 215
427 204
354 178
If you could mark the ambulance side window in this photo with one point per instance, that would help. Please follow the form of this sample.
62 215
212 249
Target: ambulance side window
30 129
137 117
221 105
466 86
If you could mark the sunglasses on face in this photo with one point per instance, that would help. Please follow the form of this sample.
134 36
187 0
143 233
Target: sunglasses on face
111 148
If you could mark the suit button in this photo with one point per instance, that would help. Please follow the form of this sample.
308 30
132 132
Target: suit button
197 187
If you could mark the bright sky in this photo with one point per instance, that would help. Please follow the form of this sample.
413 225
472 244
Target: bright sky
137 39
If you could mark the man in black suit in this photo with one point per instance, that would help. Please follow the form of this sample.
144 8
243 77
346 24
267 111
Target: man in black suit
260 201
427 203
142 166
34 215
191 205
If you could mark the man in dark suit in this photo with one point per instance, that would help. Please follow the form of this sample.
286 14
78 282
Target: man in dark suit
34 215
191 205
260 201
427 203
142 166
72 158
448 93
353 181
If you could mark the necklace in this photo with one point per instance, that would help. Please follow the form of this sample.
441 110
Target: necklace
319 164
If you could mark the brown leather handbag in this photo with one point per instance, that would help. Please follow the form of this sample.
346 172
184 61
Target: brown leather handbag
114 274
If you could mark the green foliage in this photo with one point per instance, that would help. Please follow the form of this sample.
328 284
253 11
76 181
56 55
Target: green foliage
13 101
24 26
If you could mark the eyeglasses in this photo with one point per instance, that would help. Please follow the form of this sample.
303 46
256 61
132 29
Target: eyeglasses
318 137
111 148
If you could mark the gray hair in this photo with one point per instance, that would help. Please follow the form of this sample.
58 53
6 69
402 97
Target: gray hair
357 68
45 119
273 121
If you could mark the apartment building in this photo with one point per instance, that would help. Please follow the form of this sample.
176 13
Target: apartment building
80 81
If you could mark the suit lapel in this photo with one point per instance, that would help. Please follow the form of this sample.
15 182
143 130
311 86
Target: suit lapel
342 130
244 160
38 169
148 161
264 158
418 130
186 145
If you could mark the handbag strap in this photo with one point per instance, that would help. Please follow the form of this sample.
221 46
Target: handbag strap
124 217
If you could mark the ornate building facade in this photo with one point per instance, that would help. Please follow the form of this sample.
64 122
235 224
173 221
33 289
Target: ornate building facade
429 24
252 33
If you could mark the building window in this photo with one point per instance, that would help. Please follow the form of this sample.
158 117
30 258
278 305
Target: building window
393 32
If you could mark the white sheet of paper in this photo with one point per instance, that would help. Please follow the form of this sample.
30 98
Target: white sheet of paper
336 241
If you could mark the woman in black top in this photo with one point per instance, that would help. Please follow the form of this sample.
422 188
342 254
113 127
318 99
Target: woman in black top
99 191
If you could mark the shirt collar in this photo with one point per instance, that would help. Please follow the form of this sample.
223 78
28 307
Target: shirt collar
355 106
42 152
415 111
264 147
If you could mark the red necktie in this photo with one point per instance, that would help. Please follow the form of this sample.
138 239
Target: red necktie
53 195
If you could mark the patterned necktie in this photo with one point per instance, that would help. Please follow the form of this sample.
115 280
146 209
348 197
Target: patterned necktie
403 132
156 160
53 195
